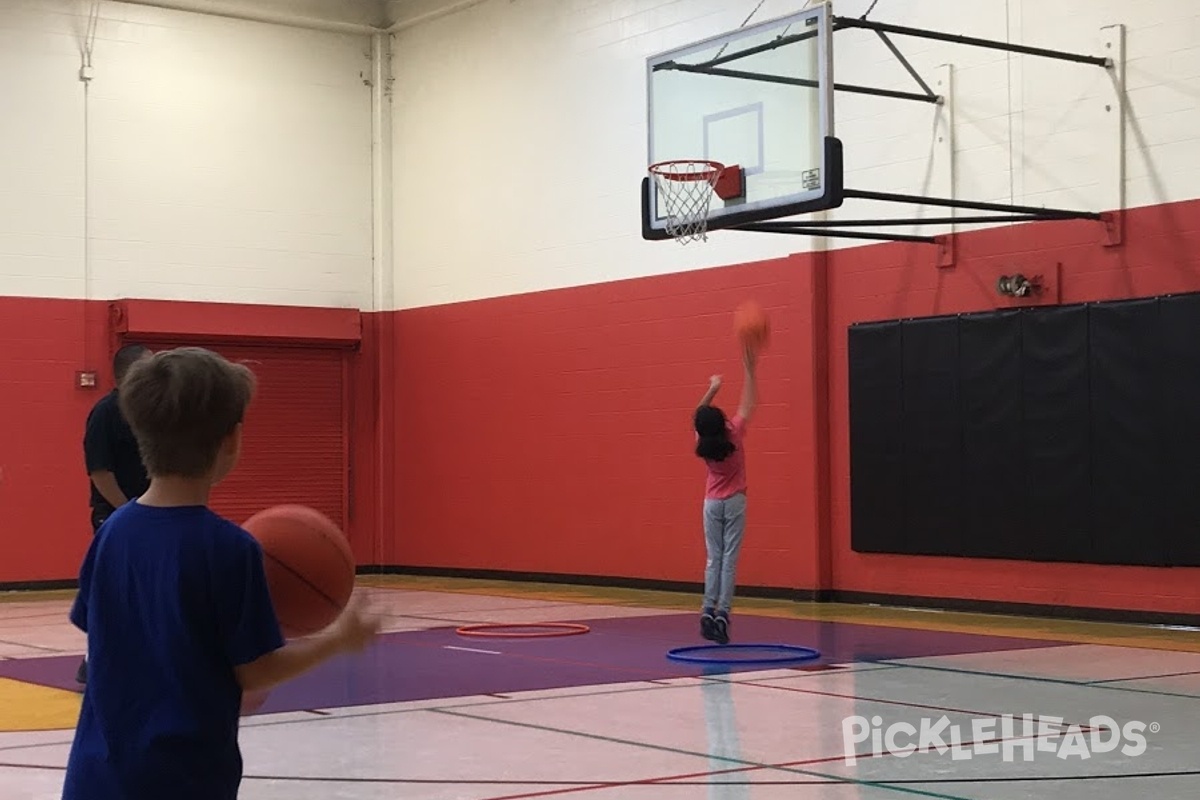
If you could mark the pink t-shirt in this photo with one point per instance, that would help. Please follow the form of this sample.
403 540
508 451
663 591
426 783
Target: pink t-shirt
727 478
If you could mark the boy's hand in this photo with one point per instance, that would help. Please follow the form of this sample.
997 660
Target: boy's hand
357 627
714 382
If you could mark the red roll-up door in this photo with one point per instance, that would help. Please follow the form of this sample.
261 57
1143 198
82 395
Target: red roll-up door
294 439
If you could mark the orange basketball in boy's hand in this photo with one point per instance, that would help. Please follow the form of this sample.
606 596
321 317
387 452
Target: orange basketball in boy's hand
751 325
309 566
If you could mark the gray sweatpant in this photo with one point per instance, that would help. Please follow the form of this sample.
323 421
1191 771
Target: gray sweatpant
724 522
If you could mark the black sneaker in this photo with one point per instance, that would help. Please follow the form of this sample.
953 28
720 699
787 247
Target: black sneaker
721 629
708 627
81 673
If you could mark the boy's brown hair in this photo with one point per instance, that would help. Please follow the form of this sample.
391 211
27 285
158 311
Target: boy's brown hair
182 404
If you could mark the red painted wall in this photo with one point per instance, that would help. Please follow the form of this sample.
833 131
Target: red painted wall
551 432
44 529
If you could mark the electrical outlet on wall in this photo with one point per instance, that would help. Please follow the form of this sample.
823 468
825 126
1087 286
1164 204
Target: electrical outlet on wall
86 379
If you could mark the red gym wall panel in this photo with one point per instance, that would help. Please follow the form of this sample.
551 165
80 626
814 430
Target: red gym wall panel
299 443
44 528
551 432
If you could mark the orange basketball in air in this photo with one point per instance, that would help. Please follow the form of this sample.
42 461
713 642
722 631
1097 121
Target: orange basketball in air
751 325
309 566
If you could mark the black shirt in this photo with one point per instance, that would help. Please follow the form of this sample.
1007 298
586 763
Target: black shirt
109 444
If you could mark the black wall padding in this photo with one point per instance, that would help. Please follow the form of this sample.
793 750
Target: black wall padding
1127 451
993 490
877 413
1055 435
1038 434
932 427
1179 322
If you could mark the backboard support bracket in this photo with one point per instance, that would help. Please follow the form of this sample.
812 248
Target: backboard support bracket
1112 39
941 168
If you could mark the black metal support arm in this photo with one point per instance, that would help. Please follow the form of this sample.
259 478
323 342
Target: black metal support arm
884 28
1031 211
884 222
916 76
774 44
804 82
990 44
776 227
832 228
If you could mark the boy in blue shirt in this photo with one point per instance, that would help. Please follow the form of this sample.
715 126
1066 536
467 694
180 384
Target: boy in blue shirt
175 604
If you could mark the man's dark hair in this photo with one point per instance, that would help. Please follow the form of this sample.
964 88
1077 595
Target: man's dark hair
182 404
125 358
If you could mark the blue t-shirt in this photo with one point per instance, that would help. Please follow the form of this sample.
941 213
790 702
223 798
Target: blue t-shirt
172 599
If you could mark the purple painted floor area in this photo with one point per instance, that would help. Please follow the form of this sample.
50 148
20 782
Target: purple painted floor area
420 665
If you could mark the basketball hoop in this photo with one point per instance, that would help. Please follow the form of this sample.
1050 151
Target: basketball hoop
686 188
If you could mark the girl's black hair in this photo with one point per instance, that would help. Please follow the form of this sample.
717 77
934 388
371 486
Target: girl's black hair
714 444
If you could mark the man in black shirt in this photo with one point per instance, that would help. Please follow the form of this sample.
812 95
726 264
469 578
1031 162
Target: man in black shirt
111 455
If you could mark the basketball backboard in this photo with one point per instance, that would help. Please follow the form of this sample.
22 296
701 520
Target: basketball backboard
759 98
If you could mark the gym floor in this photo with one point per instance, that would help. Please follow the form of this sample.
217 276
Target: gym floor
432 714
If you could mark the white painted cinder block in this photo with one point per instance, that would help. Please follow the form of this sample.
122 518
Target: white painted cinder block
226 160
520 127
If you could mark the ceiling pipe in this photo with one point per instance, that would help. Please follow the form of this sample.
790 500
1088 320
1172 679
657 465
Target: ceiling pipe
454 8
233 11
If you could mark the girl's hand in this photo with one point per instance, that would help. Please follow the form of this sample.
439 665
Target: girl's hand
749 357
714 382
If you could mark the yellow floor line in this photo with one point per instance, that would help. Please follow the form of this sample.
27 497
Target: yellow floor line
38 595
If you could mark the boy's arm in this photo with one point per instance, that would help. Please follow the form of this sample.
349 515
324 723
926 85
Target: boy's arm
253 642
353 631
714 386
749 386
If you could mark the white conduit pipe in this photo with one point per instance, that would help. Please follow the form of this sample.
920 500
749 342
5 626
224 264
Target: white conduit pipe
462 5
213 8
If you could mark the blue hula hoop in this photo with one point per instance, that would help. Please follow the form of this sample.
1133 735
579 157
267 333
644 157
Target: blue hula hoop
791 654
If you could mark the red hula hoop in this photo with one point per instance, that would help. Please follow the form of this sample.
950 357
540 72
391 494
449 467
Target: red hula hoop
505 630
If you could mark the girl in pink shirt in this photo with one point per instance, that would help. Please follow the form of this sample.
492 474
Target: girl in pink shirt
719 443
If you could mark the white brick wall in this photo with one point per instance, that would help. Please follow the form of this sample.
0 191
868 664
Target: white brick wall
520 127
227 160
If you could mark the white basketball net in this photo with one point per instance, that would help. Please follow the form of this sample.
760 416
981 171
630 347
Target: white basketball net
686 189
